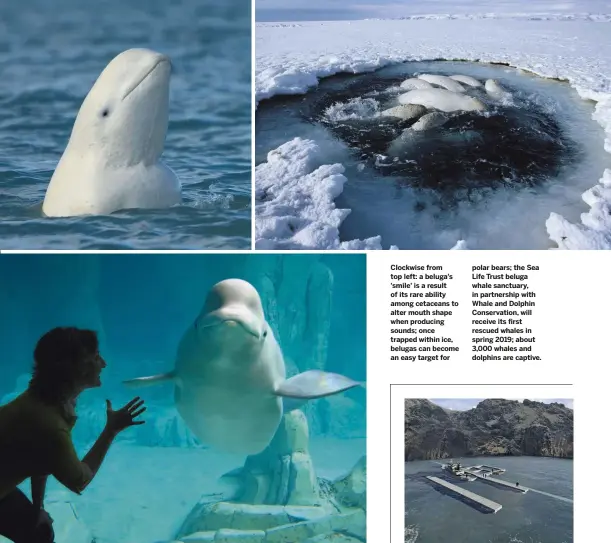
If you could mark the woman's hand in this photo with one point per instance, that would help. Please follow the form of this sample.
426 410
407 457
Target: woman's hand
43 528
123 418
43 518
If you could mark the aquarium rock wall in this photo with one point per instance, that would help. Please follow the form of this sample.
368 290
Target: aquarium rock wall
142 304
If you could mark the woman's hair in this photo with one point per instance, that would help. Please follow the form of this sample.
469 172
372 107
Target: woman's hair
60 362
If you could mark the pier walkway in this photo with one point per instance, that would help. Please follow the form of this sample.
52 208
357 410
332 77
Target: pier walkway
484 502
506 484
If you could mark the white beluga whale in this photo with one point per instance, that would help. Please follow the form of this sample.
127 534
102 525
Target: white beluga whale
230 377
433 119
443 81
413 83
405 111
416 133
467 80
495 90
112 160
442 99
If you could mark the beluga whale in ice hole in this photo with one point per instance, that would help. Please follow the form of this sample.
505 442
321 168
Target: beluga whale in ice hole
467 80
413 83
442 99
229 378
112 160
444 81
494 89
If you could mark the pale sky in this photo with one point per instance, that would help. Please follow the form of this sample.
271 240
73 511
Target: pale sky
362 9
463 404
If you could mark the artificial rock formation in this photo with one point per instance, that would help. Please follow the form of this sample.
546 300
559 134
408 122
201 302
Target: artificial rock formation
494 427
279 499
282 474
350 491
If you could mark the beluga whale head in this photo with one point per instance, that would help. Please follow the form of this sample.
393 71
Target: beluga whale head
232 317
124 119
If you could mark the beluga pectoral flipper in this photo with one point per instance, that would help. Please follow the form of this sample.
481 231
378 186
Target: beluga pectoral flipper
314 384
231 387
151 380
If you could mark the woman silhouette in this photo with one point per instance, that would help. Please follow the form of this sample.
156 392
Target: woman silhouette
35 431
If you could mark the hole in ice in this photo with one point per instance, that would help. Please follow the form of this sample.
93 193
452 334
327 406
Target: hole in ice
484 163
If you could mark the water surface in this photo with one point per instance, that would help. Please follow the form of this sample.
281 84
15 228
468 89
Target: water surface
434 517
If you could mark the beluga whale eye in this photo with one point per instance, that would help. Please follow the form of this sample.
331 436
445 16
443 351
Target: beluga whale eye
265 334
105 112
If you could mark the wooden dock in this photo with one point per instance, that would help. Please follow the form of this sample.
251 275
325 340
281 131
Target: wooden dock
499 482
480 500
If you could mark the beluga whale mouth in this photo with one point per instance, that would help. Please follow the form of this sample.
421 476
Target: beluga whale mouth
233 322
236 322
441 151
158 61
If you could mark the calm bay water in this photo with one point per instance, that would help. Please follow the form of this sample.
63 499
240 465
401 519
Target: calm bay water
50 55
433 517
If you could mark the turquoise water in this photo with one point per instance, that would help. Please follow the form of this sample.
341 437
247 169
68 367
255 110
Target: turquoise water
50 55
141 305
433 517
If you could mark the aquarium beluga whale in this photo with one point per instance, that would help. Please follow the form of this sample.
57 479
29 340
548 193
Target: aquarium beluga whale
230 377
171 485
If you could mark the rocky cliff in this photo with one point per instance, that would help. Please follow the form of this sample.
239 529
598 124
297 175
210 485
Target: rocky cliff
494 427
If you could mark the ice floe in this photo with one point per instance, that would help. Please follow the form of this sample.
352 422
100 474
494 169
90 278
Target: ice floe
295 192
